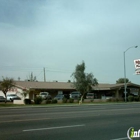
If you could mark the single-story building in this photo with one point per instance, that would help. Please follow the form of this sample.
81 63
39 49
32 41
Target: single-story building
101 91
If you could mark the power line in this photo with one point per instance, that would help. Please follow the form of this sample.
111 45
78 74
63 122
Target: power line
29 69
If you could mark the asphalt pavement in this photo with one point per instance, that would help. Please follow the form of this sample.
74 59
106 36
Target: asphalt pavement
84 122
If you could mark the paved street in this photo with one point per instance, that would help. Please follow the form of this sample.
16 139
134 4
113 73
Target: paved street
90 122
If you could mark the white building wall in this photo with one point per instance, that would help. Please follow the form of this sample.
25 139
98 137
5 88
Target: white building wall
14 90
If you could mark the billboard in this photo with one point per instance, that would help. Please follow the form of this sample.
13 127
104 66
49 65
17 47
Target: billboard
137 66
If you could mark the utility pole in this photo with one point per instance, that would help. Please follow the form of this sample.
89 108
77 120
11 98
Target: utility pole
44 75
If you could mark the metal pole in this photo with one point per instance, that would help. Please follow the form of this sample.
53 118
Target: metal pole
124 77
125 84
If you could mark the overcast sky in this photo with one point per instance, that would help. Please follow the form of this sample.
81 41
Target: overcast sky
59 34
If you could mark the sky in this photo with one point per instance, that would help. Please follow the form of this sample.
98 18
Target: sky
59 34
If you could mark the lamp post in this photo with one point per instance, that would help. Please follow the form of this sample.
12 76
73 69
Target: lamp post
125 84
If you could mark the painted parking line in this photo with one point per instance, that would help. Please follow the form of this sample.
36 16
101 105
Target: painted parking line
50 128
126 138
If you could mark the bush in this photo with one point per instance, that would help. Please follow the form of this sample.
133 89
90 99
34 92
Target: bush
54 101
91 100
64 100
114 100
121 100
130 98
80 100
71 100
27 101
109 100
136 98
48 101
38 100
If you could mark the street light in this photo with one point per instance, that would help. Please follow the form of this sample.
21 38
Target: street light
125 84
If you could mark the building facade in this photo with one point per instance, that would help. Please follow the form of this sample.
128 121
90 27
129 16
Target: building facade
101 91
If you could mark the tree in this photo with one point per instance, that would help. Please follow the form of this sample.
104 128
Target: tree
69 81
6 84
25 93
31 77
121 80
83 82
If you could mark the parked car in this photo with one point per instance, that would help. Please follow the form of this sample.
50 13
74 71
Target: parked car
75 95
12 97
59 97
2 99
45 95
90 96
109 97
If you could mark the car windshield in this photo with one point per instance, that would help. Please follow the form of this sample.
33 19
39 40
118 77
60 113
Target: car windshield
12 95
44 93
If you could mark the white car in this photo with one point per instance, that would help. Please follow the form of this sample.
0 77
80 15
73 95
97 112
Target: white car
75 95
11 97
90 96
45 95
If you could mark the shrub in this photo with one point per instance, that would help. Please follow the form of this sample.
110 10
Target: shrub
130 98
136 98
54 101
48 101
80 100
71 100
27 101
113 99
121 100
109 100
91 100
64 100
38 100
